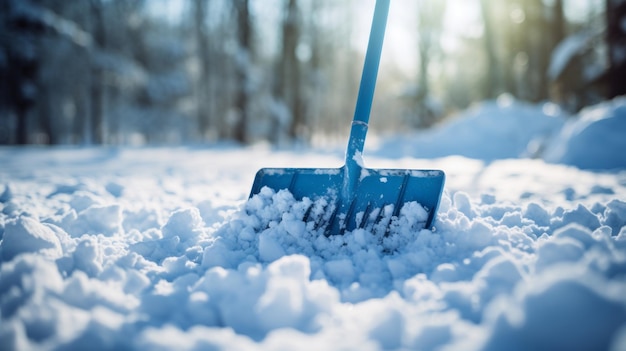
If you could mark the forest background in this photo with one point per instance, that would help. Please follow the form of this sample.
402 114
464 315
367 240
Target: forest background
137 72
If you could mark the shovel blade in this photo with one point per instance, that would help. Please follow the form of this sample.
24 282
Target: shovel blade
375 190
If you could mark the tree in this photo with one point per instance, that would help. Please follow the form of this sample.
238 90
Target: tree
543 34
22 27
616 38
493 74
96 130
287 88
430 19
203 93
243 60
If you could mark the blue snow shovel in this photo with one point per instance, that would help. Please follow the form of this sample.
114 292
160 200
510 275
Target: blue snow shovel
357 196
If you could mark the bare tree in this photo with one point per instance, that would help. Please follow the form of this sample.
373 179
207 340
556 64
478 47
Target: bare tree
493 74
430 17
287 89
243 60
203 94
616 37
96 126
21 29
538 47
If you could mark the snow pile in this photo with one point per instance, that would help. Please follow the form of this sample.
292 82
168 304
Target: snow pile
28 235
567 50
594 140
178 261
505 128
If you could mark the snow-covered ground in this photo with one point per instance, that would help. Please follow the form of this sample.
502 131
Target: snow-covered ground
157 248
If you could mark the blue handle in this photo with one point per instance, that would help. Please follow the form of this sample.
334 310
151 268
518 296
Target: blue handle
368 83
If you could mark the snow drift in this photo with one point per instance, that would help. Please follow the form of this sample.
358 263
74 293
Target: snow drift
594 140
507 128
491 130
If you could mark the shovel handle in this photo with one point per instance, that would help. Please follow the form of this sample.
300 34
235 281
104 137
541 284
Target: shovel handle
368 83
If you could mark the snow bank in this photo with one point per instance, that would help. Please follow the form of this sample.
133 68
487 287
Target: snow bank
505 128
154 265
593 140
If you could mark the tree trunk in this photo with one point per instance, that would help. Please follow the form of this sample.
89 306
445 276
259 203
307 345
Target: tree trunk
558 23
241 100
539 49
430 18
287 88
21 112
492 83
23 101
616 38
203 98
23 70
97 133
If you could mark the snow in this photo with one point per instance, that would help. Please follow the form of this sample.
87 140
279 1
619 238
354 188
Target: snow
158 248
584 142
512 129
566 50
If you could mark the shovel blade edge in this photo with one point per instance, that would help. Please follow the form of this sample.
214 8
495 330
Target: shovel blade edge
301 182
375 189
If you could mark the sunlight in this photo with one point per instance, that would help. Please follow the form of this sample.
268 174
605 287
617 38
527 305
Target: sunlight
582 10
462 19
400 46
170 10
401 40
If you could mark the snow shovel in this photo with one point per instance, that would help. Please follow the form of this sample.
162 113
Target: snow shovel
358 197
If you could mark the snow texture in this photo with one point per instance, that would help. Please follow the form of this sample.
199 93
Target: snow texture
159 249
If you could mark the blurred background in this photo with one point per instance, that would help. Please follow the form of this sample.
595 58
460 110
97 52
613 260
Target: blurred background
154 72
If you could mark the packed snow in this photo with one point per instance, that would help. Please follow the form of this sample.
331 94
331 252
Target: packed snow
159 248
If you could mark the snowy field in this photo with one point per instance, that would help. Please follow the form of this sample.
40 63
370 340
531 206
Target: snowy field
158 249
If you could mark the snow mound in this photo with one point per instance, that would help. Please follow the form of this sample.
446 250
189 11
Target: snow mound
593 140
505 128
24 234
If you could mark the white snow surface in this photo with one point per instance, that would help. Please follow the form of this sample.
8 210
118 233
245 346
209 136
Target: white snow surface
594 140
159 249
490 130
